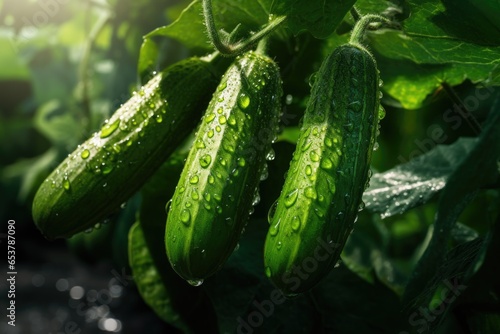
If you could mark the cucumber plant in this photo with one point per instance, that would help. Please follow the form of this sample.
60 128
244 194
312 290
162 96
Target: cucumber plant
321 197
219 181
103 172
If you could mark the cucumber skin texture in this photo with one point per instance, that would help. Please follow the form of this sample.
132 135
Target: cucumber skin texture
113 163
328 173
213 198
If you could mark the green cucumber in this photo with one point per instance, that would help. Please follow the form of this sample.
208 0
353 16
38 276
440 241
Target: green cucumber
114 162
214 196
321 197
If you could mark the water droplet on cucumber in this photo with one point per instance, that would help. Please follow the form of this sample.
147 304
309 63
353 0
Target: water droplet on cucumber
291 198
195 282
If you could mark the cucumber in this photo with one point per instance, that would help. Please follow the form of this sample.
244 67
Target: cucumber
214 196
321 196
103 172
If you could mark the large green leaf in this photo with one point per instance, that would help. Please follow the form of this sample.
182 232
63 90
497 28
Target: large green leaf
171 298
441 42
319 17
12 68
479 169
148 279
415 182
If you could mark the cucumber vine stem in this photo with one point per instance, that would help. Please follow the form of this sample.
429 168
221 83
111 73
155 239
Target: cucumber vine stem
362 25
230 49
84 68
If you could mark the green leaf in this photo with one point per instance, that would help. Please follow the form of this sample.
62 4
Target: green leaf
32 171
448 284
367 253
148 279
477 170
290 134
411 83
58 125
448 42
471 21
12 68
189 28
372 6
319 17
171 298
417 181
348 304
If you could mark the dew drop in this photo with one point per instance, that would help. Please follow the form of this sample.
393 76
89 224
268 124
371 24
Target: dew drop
85 154
306 145
210 133
228 147
222 86
272 211
348 126
308 170
273 230
211 179
331 186
205 161
243 101
270 155
158 118
185 217
347 199
241 162
312 79
328 142
222 119
268 272
296 223
309 192
231 120
195 282
194 179
326 163
209 118
66 185
106 169
291 198
314 156
109 128
256 199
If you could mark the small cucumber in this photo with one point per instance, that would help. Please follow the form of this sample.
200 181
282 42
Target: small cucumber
322 193
114 162
217 187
